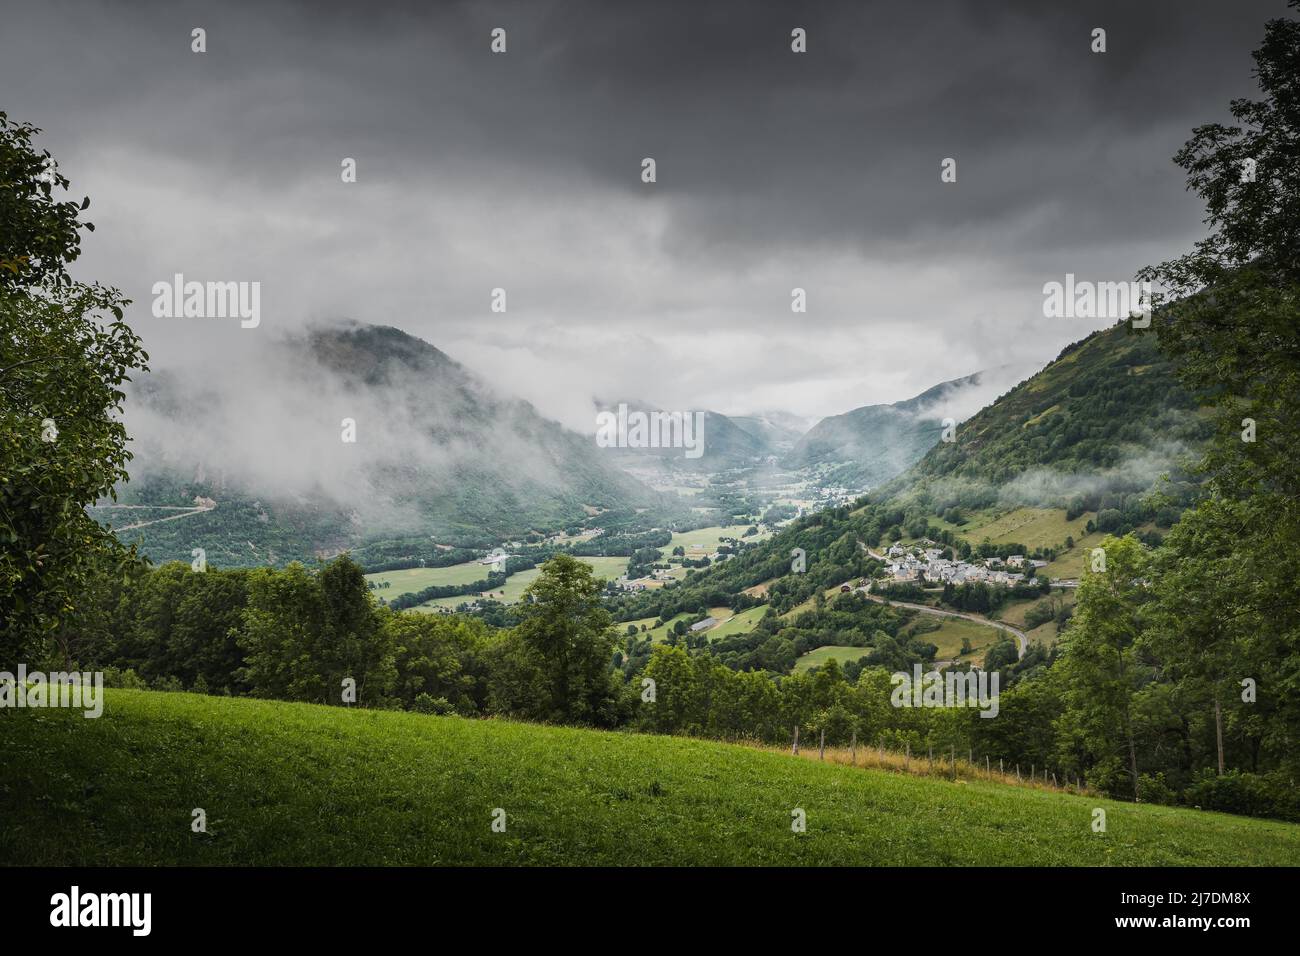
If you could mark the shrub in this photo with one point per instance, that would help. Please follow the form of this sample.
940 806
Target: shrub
428 704
1256 795
1155 790
126 679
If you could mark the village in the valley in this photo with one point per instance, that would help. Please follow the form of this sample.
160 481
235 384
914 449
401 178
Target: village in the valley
922 564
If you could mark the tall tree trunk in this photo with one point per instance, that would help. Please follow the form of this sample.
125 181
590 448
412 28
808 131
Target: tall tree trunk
1133 763
1218 729
1128 723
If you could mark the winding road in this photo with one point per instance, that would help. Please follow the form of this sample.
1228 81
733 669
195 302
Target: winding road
184 513
1020 637
1021 640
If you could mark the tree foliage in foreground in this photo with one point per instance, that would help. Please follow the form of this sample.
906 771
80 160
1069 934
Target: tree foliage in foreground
65 353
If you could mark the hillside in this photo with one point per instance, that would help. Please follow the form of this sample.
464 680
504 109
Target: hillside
726 444
297 784
871 444
1083 441
778 430
439 454
1107 405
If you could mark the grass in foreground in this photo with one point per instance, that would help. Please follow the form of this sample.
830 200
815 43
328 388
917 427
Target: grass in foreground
304 784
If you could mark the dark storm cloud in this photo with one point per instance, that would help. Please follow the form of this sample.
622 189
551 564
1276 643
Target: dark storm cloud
774 170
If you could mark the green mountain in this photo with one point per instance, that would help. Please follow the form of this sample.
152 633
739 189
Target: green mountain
779 431
871 444
1096 430
726 444
439 458
1106 416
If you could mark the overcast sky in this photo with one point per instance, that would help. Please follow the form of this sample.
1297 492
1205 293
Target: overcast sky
522 171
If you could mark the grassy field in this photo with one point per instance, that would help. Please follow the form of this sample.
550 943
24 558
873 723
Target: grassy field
953 630
515 585
733 624
1070 564
702 542
1014 612
947 638
831 594
296 784
820 655
1032 527
1045 634
656 634
411 580
740 623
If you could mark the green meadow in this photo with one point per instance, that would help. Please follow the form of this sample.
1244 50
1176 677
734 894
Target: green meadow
1032 527
953 630
732 624
416 579
820 655
411 580
300 784
704 541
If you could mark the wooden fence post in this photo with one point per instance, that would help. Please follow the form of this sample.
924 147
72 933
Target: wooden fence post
795 748
907 760
988 767
821 750
1017 773
952 760
853 746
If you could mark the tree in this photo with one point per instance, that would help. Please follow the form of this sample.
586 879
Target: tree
679 702
39 234
1230 316
438 655
351 642
64 354
1003 653
571 638
280 629
304 634
1100 663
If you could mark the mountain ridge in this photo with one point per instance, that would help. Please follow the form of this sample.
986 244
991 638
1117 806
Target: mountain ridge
436 454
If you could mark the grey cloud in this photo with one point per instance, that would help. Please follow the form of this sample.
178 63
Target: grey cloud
775 171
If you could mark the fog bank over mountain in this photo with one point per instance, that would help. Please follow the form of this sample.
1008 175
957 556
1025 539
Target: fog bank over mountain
435 447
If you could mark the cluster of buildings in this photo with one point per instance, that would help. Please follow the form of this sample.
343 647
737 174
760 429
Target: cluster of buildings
905 564
834 496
